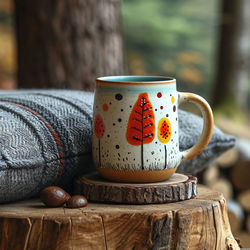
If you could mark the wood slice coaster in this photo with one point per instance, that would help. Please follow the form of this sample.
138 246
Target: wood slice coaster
178 188
199 223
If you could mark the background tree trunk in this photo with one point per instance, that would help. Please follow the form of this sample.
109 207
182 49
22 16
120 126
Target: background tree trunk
67 43
231 78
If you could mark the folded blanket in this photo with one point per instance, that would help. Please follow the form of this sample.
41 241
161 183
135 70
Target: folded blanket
45 139
190 127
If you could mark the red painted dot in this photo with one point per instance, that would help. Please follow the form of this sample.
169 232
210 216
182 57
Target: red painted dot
161 107
159 95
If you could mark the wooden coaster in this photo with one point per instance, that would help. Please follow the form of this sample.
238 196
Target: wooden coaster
178 188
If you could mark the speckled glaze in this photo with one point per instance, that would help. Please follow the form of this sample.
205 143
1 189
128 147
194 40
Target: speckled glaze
135 128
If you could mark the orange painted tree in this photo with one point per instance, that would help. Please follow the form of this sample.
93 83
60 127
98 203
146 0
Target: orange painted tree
99 130
164 134
141 124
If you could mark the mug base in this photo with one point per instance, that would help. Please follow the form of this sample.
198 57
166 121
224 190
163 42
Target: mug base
141 176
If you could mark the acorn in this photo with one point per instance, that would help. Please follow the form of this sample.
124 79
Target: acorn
77 201
54 196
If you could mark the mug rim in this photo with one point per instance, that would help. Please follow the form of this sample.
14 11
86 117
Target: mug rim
135 80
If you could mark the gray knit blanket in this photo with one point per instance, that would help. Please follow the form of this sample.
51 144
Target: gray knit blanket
45 139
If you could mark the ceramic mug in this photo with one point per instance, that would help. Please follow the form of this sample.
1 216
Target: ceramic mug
135 128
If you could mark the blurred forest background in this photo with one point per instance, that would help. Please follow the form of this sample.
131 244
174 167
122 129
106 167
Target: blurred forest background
182 39
163 37
176 38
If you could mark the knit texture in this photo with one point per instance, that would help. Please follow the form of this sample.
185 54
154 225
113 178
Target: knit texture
45 139
190 127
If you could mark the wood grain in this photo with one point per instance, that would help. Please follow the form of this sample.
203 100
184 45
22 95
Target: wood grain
244 200
67 44
236 216
224 186
228 159
211 174
178 188
200 223
240 175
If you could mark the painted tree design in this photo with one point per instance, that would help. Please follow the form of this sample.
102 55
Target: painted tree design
141 124
164 134
99 129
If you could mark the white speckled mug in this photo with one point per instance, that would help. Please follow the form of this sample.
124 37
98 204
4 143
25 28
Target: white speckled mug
135 128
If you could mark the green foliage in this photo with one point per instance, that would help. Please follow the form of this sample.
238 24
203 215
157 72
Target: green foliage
230 110
176 38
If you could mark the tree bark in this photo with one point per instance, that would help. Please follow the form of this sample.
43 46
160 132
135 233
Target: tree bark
67 43
200 223
179 187
231 77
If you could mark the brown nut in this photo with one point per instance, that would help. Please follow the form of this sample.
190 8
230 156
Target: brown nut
54 196
77 201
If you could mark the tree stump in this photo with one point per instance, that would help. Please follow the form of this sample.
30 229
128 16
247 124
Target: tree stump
199 223
178 188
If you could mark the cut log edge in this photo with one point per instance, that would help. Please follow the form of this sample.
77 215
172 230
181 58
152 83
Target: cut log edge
100 190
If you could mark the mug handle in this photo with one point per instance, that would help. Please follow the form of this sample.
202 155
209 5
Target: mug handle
208 124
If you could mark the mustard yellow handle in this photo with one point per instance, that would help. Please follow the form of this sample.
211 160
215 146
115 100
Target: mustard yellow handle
208 124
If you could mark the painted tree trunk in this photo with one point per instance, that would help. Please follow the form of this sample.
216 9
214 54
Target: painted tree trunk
141 124
99 145
142 160
164 135
67 44
99 131
166 156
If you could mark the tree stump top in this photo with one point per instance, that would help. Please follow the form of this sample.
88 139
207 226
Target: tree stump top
191 224
34 207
